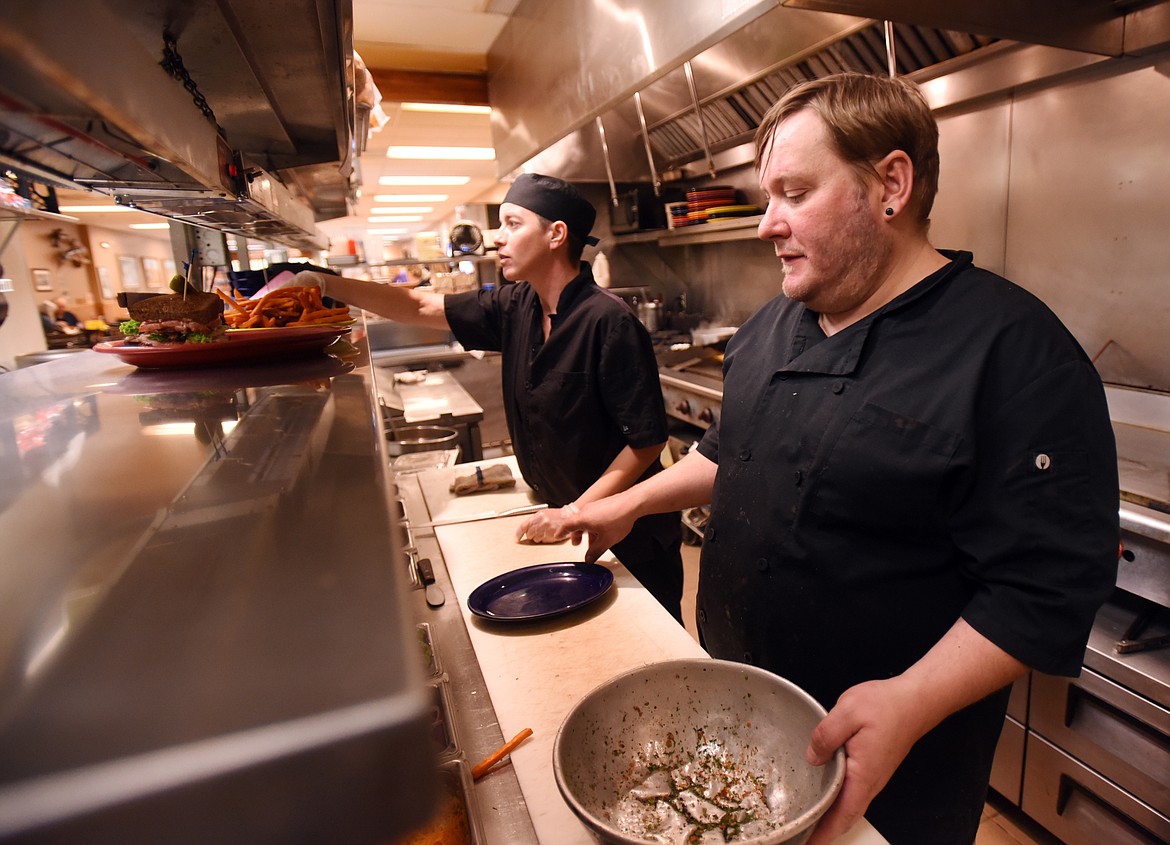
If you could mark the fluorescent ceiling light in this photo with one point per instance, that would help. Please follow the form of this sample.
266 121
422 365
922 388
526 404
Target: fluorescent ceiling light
423 180
410 198
444 153
447 108
186 429
396 219
150 225
96 209
387 231
405 209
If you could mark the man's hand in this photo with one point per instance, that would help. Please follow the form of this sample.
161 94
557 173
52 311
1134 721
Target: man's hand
877 723
606 521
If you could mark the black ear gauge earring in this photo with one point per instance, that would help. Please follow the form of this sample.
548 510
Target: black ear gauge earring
889 212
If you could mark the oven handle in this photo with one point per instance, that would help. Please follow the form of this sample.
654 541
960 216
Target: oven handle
673 381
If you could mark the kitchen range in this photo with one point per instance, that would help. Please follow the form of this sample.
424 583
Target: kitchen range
692 381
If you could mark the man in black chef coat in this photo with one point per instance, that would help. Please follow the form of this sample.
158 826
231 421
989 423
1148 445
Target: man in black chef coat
581 394
913 480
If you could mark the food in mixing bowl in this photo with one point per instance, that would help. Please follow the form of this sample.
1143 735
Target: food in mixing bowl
713 796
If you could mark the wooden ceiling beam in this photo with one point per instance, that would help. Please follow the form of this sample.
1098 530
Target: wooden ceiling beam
410 86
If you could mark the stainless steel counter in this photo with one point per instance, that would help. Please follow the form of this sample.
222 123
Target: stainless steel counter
204 627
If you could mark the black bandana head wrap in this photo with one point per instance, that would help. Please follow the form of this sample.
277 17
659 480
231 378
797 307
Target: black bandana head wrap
554 199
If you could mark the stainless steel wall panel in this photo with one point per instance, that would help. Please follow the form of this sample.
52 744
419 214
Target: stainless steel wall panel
975 166
1088 214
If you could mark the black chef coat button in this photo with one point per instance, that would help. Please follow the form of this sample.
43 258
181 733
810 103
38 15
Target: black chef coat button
838 386
528 385
762 564
745 454
747 657
710 533
702 616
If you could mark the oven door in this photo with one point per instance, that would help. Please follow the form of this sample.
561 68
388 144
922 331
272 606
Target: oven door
1122 735
1080 806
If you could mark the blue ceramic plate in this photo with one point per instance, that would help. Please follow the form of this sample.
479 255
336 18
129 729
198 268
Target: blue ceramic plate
539 592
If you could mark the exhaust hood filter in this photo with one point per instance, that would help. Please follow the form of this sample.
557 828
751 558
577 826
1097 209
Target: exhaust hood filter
732 118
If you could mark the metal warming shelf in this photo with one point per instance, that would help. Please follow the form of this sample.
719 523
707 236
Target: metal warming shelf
204 634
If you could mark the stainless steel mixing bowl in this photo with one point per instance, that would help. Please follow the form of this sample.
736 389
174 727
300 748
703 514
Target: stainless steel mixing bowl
662 716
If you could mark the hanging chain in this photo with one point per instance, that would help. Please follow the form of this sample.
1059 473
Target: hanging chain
172 63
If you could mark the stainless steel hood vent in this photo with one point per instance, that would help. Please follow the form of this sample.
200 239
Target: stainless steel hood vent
546 79
1094 26
731 119
84 102
735 82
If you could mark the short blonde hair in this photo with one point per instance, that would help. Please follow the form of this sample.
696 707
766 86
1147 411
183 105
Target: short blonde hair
868 117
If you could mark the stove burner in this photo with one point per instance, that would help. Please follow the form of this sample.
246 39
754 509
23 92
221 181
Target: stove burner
1132 640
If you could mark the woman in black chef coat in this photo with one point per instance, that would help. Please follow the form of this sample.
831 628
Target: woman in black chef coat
581 394
913 480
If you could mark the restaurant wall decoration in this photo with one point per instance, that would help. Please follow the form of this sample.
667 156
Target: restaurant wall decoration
152 269
131 270
42 279
103 274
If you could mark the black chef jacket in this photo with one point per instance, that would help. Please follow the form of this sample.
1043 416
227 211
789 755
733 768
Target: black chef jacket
574 402
949 455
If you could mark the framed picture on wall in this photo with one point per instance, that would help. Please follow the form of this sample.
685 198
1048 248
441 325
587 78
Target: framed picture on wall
131 270
42 280
152 270
169 268
103 274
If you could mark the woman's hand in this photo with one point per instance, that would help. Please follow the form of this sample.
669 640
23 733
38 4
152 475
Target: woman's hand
546 526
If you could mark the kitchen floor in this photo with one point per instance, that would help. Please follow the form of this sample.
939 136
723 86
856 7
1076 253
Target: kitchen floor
1003 823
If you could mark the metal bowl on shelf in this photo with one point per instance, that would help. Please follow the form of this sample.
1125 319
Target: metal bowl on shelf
420 438
693 745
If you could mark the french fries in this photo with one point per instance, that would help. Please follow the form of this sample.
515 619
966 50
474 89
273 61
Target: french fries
296 305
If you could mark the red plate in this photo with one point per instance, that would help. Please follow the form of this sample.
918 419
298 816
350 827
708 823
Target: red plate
239 347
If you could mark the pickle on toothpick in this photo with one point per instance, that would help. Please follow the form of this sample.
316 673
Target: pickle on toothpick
180 285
